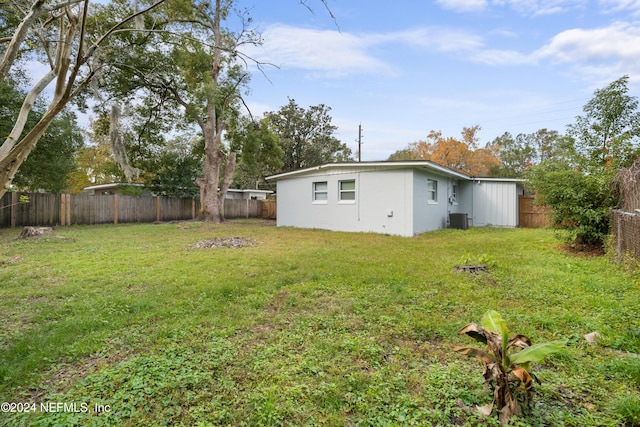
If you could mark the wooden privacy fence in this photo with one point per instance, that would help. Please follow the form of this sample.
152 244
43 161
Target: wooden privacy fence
531 215
66 209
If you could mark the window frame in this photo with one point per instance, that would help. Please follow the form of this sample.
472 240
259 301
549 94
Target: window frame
432 191
315 192
342 192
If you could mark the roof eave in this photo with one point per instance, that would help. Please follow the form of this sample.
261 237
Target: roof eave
385 164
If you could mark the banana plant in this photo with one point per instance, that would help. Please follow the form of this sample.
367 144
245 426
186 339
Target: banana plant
506 364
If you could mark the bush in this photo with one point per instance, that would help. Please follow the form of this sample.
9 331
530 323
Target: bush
580 203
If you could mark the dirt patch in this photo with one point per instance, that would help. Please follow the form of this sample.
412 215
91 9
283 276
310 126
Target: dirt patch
222 242
11 260
580 249
41 233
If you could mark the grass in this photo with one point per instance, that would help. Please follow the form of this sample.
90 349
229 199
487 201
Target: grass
307 327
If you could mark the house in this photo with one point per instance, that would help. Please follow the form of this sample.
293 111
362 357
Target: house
115 188
234 193
403 198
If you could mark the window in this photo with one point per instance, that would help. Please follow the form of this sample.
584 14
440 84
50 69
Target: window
348 191
454 194
320 192
432 191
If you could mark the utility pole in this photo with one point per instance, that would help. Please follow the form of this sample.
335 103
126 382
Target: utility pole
360 142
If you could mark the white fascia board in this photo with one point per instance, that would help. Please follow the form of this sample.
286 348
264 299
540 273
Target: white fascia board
424 164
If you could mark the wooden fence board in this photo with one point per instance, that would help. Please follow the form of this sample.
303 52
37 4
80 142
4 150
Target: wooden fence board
64 209
532 215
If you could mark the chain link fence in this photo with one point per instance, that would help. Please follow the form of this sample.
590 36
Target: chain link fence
626 234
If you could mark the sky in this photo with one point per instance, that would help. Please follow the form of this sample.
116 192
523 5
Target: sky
404 68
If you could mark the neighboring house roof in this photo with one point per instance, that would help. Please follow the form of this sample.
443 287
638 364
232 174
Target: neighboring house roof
388 165
111 185
115 185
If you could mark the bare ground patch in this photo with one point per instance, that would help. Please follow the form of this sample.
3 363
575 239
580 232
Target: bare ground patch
222 242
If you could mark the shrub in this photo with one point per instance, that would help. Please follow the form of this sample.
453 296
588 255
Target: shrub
580 203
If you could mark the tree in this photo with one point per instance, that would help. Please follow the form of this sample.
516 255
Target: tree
59 30
525 150
404 154
306 136
173 171
49 165
607 134
580 192
259 152
184 59
459 154
94 162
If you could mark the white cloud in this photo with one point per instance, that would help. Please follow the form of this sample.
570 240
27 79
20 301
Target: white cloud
614 47
619 41
441 39
336 54
541 7
501 57
331 52
621 5
463 5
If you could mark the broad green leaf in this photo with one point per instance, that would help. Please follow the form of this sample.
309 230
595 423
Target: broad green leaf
492 321
537 352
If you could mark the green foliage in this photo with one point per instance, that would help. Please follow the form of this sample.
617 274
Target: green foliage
482 259
173 170
130 190
50 164
525 150
306 136
608 133
259 152
579 189
628 408
580 203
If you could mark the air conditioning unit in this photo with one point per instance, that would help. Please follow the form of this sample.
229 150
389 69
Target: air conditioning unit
459 221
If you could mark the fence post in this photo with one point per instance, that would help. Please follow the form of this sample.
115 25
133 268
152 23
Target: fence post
618 234
193 208
63 209
158 208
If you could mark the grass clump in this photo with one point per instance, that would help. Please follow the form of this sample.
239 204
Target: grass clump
304 327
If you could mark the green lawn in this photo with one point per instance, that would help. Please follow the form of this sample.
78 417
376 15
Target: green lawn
305 327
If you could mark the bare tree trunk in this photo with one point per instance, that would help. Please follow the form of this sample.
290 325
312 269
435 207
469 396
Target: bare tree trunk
211 196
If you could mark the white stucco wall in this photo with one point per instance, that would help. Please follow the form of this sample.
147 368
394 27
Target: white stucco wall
382 205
